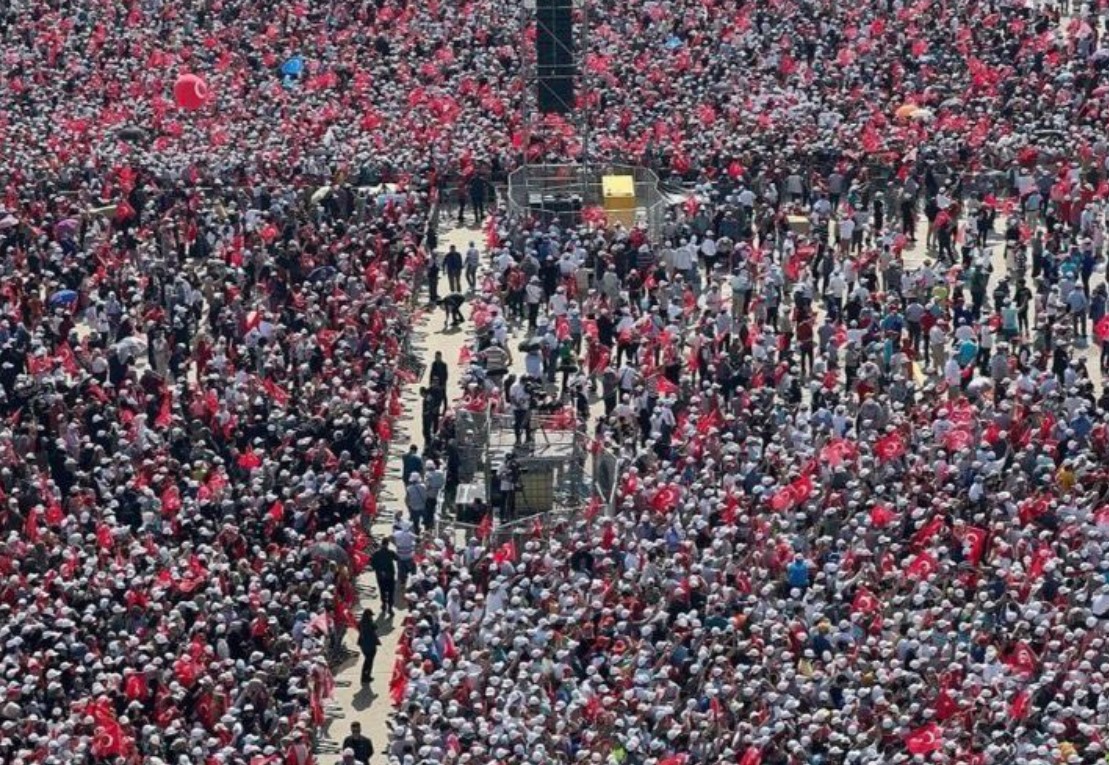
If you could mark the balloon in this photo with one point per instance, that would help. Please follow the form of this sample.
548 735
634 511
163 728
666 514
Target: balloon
190 92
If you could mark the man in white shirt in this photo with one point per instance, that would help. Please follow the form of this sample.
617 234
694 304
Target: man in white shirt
683 259
846 231
533 296
952 373
559 304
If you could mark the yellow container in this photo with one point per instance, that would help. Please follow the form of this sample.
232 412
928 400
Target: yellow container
618 192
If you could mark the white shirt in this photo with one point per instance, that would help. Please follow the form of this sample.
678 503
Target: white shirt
952 372
683 258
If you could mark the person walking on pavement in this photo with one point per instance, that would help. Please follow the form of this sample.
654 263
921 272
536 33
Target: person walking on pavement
433 407
405 540
478 192
473 260
360 747
415 499
384 564
433 280
434 482
368 641
411 463
452 264
438 373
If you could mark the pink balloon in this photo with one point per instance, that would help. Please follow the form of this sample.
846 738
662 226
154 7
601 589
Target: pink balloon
190 92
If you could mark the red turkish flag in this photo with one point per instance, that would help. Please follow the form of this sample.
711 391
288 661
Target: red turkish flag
666 388
110 740
665 498
945 706
1021 660
802 489
165 411
929 530
279 395
711 420
485 527
69 361
506 553
1039 561
889 447
783 499
975 540
135 687
398 685
248 460
881 516
865 602
924 740
593 509
753 756
838 450
31 526
171 501
958 440
1101 329
922 566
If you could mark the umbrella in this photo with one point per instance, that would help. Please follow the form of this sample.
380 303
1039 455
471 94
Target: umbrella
320 194
8 221
293 67
130 347
329 551
62 297
322 274
66 227
529 345
905 111
132 133
922 115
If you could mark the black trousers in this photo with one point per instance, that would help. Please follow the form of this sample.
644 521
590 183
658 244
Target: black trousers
387 586
368 665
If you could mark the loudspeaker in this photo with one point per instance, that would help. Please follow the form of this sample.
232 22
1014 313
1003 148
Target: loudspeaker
554 55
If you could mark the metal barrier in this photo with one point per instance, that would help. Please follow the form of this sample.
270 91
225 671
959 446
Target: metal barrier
529 185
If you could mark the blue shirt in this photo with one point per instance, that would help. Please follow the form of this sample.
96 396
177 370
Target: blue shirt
798 574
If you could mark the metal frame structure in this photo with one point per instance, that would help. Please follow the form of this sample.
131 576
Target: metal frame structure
532 122
585 181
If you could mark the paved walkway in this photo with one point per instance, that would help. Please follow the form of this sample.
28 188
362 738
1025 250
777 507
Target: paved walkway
371 705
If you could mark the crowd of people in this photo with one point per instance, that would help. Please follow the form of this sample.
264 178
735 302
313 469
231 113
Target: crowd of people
199 369
862 510
859 421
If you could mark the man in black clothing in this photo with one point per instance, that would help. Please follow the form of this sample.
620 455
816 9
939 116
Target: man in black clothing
433 281
478 192
434 406
384 564
451 305
452 263
362 747
438 371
